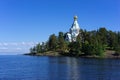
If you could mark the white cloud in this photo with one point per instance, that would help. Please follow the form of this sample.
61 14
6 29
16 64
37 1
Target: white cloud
5 44
3 48
0 44
16 46
18 43
23 43
31 43
28 43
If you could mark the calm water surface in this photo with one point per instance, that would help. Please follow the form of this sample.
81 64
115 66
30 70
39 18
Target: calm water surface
21 67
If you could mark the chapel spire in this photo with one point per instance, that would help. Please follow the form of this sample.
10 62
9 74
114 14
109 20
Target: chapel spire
74 31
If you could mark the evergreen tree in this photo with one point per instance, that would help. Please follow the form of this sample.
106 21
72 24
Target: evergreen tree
86 48
38 48
33 50
103 35
75 47
112 39
61 42
118 37
53 42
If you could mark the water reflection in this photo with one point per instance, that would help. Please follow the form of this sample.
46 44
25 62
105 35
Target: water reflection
69 68
61 67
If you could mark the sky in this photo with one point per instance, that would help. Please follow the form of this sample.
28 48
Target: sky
24 23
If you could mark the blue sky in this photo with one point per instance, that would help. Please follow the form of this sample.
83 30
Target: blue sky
32 21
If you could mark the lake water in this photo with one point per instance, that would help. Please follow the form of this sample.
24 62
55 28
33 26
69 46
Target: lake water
19 67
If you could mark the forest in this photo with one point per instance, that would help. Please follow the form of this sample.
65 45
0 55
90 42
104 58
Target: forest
95 42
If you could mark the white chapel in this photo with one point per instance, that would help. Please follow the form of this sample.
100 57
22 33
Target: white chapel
74 31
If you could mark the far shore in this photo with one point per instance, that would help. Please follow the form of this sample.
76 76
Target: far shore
108 54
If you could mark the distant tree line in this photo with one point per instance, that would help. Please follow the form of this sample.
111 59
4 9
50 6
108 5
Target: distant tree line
94 42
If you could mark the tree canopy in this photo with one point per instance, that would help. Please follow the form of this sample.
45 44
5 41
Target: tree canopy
94 42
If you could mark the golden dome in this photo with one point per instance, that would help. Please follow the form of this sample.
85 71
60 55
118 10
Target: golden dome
75 17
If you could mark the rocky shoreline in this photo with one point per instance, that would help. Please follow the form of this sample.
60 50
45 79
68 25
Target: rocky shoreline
108 54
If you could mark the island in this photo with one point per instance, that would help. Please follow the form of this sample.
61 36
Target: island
101 43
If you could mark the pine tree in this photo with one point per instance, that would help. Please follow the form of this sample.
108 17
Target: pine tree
61 42
53 42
